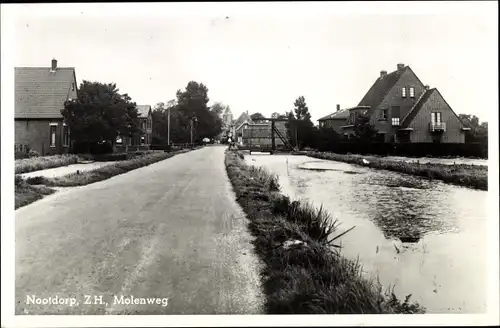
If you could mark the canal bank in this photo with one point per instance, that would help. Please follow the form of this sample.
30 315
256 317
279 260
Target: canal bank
426 238
303 271
467 175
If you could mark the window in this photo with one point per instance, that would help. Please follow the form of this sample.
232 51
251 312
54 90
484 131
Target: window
383 114
403 92
119 140
129 141
53 130
353 118
143 140
412 92
436 118
395 114
65 135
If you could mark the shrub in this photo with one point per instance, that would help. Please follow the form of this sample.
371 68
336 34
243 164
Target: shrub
18 180
94 148
477 150
36 180
20 155
43 162
111 157
33 153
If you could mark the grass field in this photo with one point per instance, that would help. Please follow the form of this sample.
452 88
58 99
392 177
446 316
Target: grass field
26 194
304 271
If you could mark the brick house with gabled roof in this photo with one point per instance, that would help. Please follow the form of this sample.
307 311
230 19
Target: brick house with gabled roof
142 139
40 94
403 109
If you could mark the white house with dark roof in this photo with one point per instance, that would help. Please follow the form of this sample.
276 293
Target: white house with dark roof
40 93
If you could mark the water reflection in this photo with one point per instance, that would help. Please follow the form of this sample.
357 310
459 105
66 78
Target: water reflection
425 237
400 205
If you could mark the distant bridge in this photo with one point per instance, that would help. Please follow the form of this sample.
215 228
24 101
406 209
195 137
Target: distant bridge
286 147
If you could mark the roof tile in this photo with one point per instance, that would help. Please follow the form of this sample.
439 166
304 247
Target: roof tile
40 93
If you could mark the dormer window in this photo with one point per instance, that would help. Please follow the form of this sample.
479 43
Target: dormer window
412 92
403 92
72 86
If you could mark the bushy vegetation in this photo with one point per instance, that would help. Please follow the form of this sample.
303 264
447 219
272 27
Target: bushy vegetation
304 272
473 176
25 194
328 140
36 163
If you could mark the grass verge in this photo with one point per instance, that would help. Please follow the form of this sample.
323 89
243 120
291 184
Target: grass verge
102 173
32 164
26 194
303 271
472 176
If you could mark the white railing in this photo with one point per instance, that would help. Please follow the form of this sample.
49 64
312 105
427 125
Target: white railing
438 126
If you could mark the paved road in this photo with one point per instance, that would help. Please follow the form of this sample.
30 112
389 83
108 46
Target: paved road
169 230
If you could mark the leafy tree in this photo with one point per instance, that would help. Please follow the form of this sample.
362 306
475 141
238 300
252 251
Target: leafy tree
218 109
301 110
364 131
478 132
193 103
100 114
256 117
301 127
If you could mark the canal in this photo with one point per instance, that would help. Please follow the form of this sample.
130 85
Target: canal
424 238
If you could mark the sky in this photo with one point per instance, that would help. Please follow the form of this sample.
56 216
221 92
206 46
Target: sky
260 57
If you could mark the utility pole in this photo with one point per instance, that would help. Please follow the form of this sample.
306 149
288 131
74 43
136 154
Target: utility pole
191 132
170 104
168 124
296 132
193 119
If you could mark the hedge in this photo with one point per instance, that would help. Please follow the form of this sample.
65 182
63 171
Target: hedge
475 150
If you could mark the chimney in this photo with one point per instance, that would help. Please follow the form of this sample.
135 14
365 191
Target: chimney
54 65
338 107
426 87
401 67
383 73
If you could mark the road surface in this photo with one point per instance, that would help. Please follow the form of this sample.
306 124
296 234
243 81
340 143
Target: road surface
171 230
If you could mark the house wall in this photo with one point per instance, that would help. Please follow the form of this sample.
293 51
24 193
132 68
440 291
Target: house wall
36 134
421 123
73 93
147 132
394 98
